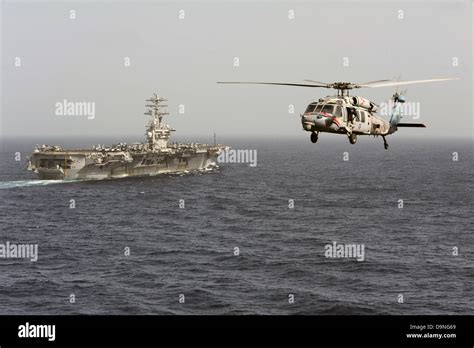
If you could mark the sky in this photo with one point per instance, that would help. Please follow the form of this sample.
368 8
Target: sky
181 49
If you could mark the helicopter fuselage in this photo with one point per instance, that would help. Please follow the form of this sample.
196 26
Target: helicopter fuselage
344 115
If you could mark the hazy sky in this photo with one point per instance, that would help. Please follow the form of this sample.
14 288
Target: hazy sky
82 59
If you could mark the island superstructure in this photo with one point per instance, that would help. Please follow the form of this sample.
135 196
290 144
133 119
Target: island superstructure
154 156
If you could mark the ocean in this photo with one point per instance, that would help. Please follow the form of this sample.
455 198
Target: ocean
249 240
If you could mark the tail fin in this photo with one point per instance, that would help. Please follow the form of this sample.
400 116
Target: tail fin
396 113
395 117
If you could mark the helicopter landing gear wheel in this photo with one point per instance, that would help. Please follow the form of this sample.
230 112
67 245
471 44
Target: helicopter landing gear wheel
353 138
314 137
385 145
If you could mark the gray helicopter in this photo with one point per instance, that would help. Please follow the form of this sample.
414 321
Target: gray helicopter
350 115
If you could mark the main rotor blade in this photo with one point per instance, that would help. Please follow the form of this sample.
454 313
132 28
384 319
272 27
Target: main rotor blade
402 83
272 83
372 82
317 82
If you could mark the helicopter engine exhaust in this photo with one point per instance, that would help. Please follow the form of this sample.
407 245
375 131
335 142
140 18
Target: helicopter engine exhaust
364 103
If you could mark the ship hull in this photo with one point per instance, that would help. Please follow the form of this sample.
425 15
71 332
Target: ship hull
78 165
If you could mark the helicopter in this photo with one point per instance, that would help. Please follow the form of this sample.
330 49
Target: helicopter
350 115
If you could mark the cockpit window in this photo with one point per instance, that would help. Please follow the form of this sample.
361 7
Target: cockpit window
310 108
328 109
338 111
318 108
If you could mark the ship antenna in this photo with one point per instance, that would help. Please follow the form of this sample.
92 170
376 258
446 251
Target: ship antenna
155 107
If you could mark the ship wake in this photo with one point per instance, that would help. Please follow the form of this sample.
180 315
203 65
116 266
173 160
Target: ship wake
26 183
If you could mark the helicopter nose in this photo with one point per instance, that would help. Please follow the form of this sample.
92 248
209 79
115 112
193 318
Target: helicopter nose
307 121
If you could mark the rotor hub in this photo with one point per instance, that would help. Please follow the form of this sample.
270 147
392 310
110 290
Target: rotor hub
342 85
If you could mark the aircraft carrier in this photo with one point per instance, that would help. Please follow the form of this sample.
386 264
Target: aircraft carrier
153 157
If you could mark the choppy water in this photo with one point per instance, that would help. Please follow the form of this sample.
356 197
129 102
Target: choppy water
190 251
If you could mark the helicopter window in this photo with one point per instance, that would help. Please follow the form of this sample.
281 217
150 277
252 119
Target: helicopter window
338 111
318 108
310 108
362 116
328 108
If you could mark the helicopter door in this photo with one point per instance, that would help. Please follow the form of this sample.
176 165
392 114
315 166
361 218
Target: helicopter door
351 116
362 122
